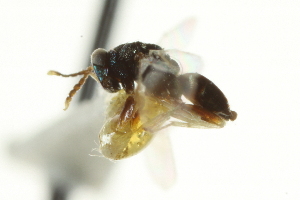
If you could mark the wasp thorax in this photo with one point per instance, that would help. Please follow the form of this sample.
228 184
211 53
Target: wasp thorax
99 57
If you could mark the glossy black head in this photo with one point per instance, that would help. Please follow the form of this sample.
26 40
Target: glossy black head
118 68
101 65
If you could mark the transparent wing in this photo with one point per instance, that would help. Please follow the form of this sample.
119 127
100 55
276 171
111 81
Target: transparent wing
188 62
180 36
160 160
178 39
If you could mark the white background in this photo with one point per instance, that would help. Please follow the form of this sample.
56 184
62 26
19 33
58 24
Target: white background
250 50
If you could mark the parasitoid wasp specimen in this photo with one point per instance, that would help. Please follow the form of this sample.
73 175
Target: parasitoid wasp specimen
149 88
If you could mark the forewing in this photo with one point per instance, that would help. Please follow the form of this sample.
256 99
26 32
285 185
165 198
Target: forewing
188 62
180 36
178 39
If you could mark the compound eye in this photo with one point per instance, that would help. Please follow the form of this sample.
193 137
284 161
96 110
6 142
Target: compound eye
98 57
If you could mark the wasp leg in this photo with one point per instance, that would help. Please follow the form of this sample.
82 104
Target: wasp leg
188 120
202 125
197 117
86 73
128 113
190 116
